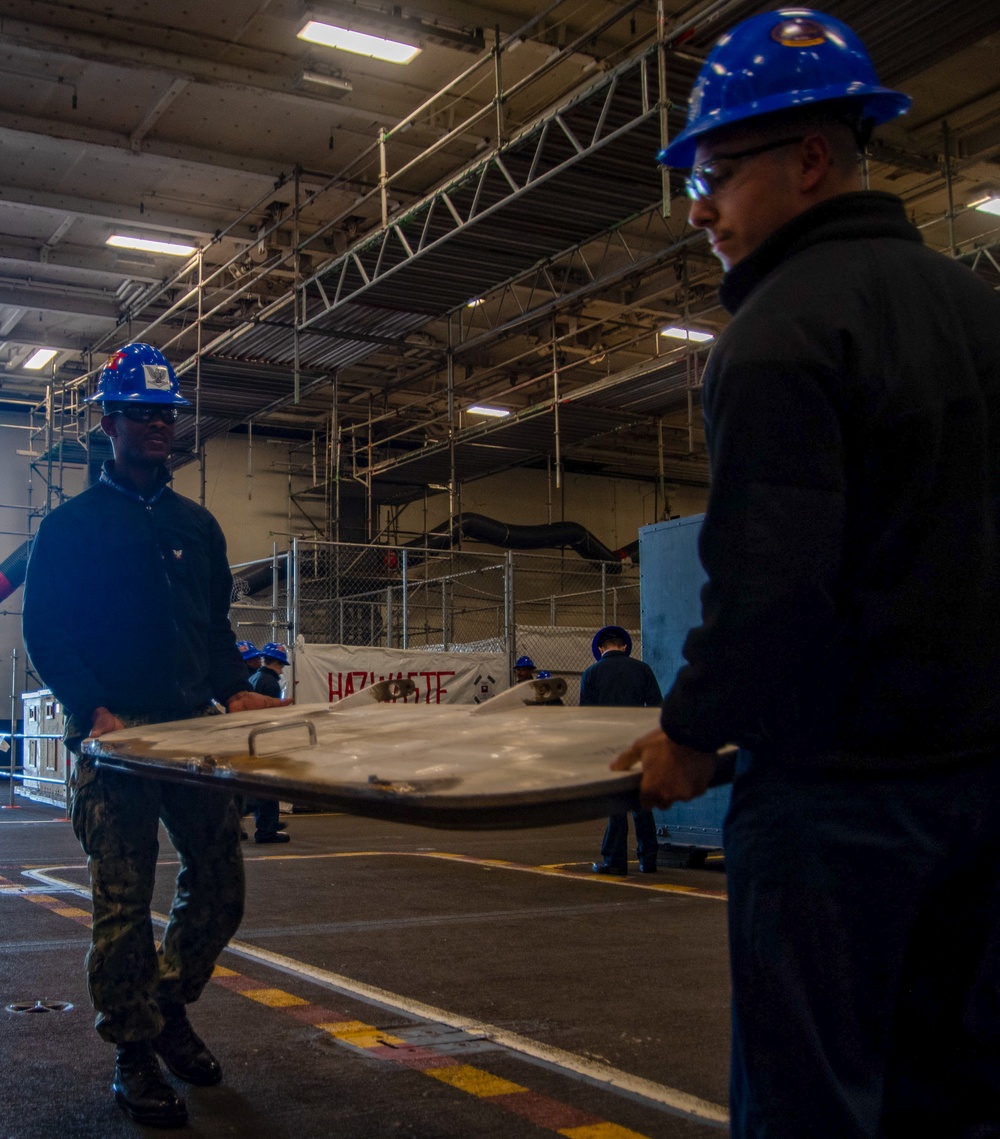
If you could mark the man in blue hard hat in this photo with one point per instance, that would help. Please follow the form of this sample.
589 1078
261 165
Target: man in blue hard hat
126 609
250 654
850 635
616 678
524 669
267 681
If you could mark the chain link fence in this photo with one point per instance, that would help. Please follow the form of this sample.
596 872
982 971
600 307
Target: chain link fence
261 605
561 600
545 606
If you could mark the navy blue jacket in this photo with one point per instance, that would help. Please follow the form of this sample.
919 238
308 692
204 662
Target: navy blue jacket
126 604
618 679
266 681
852 537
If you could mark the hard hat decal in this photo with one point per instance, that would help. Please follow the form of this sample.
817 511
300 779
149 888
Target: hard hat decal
157 377
115 360
799 33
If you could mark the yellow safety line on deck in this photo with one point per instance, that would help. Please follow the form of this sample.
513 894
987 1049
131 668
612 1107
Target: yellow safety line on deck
550 870
529 1105
506 1094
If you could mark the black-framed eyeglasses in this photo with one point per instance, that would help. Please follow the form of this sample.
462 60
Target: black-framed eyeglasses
147 412
708 177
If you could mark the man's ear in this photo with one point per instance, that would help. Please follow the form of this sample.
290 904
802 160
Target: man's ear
815 161
108 425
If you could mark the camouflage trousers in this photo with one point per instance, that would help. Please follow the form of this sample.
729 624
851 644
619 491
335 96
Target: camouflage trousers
116 817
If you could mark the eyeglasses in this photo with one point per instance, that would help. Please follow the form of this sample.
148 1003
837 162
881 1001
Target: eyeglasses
147 412
707 178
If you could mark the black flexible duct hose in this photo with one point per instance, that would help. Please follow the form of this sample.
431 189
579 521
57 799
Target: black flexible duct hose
479 528
12 570
254 580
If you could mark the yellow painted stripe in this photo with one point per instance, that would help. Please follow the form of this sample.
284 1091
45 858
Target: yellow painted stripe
473 1080
273 998
339 1027
359 1034
41 899
222 971
70 912
601 1131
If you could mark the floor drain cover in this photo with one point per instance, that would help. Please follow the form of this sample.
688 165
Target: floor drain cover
25 1007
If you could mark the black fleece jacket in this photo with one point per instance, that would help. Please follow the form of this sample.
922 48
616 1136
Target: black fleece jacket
852 537
126 604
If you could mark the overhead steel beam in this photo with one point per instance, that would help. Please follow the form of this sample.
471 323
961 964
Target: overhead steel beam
47 298
41 132
115 213
161 104
54 40
107 263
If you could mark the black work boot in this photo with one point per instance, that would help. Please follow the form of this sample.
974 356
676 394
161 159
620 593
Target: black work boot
183 1050
141 1090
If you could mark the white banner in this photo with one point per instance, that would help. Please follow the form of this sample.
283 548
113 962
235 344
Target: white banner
331 672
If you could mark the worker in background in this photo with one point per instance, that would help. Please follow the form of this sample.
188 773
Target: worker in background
524 669
553 701
850 635
251 656
618 679
126 618
267 681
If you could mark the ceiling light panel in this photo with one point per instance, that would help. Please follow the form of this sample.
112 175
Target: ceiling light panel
145 245
360 43
677 333
39 358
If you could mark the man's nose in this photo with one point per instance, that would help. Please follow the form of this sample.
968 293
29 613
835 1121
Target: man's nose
702 213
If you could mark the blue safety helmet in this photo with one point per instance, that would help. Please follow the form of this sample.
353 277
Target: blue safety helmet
273 651
610 631
543 674
247 650
775 61
524 662
138 373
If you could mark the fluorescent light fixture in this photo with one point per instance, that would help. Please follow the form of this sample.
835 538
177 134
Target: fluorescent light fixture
172 248
494 412
476 303
686 334
329 35
335 83
39 358
990 205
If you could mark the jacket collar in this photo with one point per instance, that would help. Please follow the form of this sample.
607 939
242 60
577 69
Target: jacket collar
128 488
856 216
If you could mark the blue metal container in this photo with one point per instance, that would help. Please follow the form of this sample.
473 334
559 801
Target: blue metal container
670 581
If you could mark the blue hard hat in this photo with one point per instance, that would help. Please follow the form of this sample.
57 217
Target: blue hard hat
138 373
524 662
775 61
610 631
273 651
543 674
247 650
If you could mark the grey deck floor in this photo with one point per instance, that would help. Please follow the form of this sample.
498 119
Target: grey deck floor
394 981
